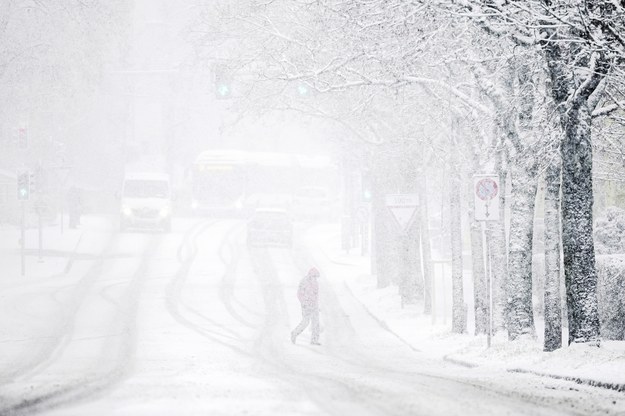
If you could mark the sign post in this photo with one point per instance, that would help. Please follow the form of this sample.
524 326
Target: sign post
486 197
403 209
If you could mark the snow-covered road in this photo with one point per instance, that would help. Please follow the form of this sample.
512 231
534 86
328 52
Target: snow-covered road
195 323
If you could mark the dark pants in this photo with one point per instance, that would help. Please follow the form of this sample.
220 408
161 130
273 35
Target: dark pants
309 314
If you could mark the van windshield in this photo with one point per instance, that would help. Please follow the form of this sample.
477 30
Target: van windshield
146 189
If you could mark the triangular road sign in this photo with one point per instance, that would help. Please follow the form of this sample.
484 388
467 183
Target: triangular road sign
403 208
404 216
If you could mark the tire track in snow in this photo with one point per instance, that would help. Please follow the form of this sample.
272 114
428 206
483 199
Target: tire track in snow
64 328
354 381
229 278
187 315
94 383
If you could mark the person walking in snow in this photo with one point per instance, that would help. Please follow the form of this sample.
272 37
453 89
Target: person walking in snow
308 295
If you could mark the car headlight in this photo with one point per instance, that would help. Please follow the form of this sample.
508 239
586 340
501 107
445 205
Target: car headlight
126 210
164 212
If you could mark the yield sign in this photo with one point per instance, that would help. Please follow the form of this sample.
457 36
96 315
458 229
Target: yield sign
403 207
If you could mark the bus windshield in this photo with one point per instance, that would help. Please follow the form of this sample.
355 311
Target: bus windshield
219 186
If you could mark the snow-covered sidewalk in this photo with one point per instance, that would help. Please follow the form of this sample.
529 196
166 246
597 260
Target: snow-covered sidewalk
604 366
59 248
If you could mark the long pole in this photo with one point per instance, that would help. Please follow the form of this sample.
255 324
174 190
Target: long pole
434 298
40 226
23 239
490 289
485 251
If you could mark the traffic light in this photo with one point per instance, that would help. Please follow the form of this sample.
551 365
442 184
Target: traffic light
22 138
367 192
303 90
23 186
367 195
223 82
32 182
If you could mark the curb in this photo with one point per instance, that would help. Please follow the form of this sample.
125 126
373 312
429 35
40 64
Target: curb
584 381
459 362
70 260
467 364
380 322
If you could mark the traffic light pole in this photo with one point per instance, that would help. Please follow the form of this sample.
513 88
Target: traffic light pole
23 239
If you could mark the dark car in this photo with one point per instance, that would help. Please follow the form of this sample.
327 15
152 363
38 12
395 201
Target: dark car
270 228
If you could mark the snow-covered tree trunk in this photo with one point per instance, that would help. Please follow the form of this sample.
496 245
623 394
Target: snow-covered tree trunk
577 192
458 320
499 258
577 226
519 288
480 305
553 303
380 232
411 283
425 246
411 277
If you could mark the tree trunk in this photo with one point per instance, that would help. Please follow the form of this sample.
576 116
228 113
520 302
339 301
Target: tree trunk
577 227
382 248
458 320
425 246
411 284
499 258
553 303
578 247
411 276
480 305
519 289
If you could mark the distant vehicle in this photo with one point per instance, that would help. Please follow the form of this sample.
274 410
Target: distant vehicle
270 227
256 201
312 203
236 182
219 182
146 201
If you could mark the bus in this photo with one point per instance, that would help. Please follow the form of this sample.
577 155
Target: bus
233 181
218 181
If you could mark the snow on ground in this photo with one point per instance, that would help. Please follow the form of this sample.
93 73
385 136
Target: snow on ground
194 322
432 335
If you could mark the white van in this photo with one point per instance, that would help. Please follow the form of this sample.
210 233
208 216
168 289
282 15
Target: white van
146 201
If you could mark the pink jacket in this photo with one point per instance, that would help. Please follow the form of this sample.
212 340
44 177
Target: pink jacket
308 292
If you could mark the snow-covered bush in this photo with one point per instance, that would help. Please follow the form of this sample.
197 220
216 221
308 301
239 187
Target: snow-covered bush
610 250
611 296
610 232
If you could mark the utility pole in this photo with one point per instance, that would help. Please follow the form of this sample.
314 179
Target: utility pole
23 195
23 239
38 177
